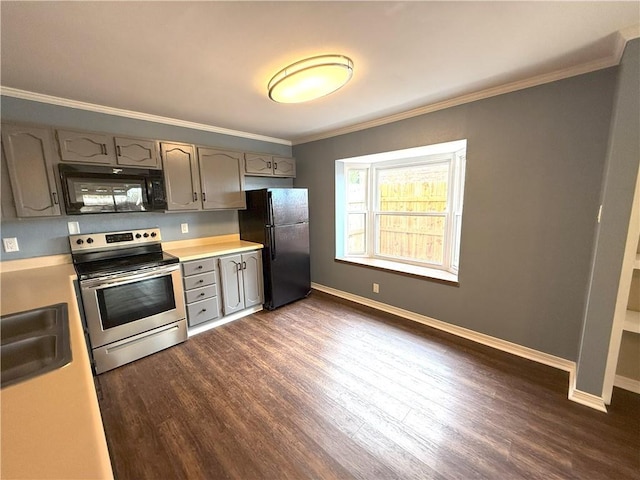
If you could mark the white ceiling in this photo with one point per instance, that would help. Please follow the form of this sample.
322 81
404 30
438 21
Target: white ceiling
209 62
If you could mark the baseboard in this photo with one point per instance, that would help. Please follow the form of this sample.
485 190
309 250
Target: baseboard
575 395
627 383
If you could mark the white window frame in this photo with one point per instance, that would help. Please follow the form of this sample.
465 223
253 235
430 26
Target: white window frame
451 153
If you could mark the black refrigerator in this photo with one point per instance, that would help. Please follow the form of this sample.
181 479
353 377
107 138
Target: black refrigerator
279 219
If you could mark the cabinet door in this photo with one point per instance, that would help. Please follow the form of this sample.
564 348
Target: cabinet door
284 167
231 281
136 152
221 179
252 278
86 147
181 176
29 156
256 164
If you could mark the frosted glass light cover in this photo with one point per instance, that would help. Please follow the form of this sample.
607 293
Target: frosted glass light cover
310 79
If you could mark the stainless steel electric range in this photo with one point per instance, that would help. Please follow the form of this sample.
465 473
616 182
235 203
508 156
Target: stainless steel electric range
131 293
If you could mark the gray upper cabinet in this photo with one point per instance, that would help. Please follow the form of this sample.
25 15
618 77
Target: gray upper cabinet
137 152
261 165
182 180
284 167
221 179
29 156
241 281
85 147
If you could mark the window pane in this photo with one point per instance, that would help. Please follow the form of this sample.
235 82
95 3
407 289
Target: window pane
417 188
356 190
420 238
356 234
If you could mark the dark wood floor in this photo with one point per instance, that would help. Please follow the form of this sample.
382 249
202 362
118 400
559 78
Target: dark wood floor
325 389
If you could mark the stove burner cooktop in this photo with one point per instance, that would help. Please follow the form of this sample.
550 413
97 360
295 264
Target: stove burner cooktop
111 253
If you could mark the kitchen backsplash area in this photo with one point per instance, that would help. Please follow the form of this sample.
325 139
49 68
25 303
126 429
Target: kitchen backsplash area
50 236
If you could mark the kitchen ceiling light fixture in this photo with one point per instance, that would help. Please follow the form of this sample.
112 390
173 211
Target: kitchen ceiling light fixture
310 78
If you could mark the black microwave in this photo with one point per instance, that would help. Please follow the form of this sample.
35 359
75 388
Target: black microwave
104 189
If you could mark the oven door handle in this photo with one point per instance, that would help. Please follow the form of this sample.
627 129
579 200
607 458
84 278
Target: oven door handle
98 283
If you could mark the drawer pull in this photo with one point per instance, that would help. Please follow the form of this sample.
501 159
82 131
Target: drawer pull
200 267
201 294
203 310
201 281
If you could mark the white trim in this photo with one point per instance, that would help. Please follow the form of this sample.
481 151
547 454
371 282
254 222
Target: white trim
191 331
627 383
92 107
574 395
584 398
622 298
612 60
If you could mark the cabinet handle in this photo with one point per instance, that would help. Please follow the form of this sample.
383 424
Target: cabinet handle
200 267
195 196
203 310
55 198
103 148
119 153
268 164
201 294
275 165
244 265
204 196
200 281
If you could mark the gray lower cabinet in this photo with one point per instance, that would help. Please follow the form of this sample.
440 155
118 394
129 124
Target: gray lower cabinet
29 156
201 291
261 165
241 281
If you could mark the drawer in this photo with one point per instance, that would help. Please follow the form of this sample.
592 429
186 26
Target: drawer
200 293
196 281
203 311
198 266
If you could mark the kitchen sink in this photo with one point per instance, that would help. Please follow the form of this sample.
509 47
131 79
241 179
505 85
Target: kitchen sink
33 342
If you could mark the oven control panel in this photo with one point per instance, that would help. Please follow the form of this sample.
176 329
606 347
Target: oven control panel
113 240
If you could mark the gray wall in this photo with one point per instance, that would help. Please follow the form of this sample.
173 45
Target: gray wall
534 168
48 236
616 197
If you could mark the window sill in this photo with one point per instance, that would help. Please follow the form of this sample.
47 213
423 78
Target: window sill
410 270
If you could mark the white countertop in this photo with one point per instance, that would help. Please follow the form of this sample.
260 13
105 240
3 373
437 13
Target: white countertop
197 252
51 425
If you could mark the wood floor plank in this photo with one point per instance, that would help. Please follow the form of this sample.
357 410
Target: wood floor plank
327 389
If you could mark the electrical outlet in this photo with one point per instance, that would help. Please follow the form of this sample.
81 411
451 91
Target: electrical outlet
74 228
376 288
10 244
184 227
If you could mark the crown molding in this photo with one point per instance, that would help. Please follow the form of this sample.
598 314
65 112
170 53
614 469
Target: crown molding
92 107
623 36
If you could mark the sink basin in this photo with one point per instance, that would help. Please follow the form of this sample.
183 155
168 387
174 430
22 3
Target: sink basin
33 342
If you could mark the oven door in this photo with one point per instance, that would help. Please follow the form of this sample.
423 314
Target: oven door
132 303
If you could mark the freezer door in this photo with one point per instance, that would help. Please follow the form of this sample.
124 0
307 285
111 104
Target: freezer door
288 206
287 268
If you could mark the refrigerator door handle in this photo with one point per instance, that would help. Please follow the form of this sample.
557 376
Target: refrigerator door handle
270 209
272 242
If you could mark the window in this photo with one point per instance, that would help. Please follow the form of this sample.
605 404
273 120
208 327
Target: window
402 210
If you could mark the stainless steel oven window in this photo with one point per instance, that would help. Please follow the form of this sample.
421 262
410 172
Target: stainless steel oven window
127 303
